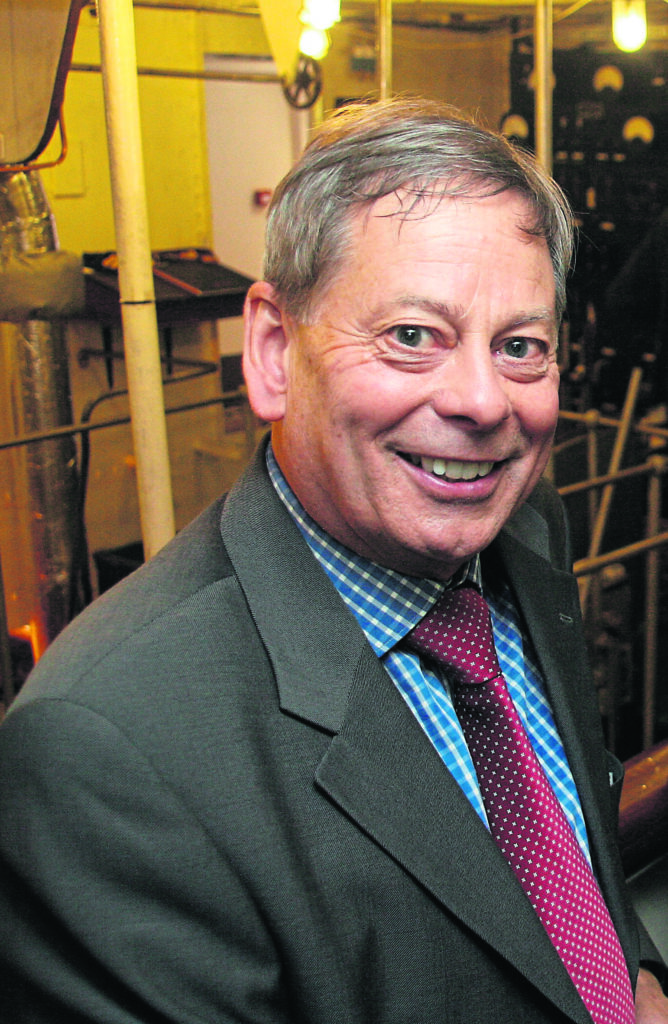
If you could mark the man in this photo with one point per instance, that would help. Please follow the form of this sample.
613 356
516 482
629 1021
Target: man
233 790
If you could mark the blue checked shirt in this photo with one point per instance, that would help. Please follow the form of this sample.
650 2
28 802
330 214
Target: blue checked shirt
387 605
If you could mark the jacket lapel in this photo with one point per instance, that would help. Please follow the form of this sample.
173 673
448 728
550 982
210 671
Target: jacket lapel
380 768
384 773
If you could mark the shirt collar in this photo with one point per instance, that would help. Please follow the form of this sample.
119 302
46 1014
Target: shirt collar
386 604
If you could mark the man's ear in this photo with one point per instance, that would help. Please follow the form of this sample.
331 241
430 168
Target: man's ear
266 340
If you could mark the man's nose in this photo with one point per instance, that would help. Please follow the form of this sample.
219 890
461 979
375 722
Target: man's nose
471 387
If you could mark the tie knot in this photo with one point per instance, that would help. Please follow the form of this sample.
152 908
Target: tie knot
457 633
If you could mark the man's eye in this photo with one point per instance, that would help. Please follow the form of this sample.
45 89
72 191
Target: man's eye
410 335
524 358
519 348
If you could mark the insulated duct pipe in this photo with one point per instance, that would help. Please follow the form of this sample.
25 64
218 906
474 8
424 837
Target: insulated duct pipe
135 273
42 400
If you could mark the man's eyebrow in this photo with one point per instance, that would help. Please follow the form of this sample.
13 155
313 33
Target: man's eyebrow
454 311
447 310
544 313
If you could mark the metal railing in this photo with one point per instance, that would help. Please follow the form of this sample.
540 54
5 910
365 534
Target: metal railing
600 489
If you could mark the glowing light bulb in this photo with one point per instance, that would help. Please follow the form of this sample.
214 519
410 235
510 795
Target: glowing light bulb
629 24
313 42
321 14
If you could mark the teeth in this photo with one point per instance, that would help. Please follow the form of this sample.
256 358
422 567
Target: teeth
453 469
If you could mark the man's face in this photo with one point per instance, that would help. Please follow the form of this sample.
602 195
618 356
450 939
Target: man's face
422 397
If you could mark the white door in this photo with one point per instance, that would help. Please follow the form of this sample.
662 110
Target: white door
254 137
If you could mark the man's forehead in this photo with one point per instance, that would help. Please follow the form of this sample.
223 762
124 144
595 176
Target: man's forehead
408 205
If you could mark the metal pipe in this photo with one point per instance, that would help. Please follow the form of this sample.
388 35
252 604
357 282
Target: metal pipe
592 511
197 8
652 582
592 464
6 668
586 566
543 83
135 273
385 48
582 417
594 482
615 462
205 76
86 428
607 421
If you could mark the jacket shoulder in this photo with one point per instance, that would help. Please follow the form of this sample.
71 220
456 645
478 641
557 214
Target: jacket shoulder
123 630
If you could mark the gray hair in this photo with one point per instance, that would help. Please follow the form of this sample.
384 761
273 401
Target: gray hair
415 146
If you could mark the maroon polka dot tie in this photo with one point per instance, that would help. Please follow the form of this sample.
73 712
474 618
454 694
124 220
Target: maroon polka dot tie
524 815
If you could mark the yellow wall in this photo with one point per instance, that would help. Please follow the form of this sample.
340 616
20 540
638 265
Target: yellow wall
468 71
173 127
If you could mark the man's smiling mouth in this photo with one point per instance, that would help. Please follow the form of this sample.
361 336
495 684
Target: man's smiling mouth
451 469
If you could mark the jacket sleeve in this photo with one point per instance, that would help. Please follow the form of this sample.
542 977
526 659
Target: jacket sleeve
110 888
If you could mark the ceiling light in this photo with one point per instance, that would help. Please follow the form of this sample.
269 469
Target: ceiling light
629 24
321 14
313 42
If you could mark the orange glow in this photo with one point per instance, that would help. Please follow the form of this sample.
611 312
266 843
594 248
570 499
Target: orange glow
32 633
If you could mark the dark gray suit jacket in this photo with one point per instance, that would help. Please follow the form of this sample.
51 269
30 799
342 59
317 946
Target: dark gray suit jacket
216 807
